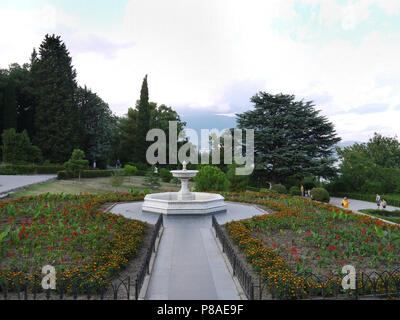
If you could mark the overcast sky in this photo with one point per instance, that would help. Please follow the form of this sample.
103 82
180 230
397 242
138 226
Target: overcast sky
210 56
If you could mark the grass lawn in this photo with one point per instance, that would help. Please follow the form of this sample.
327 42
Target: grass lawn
306 237
89 186
393 216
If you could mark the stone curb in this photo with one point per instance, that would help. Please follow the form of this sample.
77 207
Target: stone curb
145 286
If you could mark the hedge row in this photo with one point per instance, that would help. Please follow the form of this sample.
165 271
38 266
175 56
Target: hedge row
30 169
64 175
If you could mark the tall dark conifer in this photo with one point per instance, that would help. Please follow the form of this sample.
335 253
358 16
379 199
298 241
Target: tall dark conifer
56 117
290 137
144 114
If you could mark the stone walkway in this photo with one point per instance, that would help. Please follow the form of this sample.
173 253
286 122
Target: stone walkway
12 183
189 265
356 205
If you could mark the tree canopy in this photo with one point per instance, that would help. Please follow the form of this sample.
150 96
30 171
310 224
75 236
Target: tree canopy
291 137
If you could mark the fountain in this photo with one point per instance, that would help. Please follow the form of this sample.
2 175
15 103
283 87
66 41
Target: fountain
184 201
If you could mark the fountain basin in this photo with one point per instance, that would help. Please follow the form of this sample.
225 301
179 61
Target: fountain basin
171 203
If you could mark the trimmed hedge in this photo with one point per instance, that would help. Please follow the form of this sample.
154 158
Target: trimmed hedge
64 175
320 194
30 169
165 175
279 188
295 191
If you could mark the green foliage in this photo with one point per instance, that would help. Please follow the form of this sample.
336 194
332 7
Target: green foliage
309 183
320 194
17 148
371 167
96 125
57 116
130 170
237 182
77 162
211 178
30 169
295 191
279 188
152 180
117 179
165 175
290 137
267 191
130 141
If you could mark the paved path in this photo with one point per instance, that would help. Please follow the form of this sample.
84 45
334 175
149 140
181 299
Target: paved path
12 183
356 205
189 265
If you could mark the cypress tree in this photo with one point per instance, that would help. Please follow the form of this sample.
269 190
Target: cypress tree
56 116
143 121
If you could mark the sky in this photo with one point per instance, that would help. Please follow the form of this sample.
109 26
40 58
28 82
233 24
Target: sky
206 58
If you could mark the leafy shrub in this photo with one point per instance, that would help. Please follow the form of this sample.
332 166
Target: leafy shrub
17 148
117 179
130 170
295 191
279 188
152 180
211 178
165 175
309 183
267 191
320 194
237 182
77 162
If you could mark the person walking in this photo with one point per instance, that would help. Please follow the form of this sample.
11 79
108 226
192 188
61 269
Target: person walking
378 201
117 164
384 204
345 203
302 190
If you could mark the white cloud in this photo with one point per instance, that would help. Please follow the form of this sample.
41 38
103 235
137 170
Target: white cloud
194 51
390 6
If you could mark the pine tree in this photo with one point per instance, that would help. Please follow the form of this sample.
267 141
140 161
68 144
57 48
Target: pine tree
56 117
290 137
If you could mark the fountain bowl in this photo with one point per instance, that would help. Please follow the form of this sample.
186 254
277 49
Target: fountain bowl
171 203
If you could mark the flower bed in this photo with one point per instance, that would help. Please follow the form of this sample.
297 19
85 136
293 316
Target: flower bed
68 232
310 238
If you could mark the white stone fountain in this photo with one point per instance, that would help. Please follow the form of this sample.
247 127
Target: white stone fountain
184 201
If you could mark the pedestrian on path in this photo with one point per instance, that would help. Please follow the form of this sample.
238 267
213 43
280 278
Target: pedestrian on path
378 201
384 204
302 190
345 203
